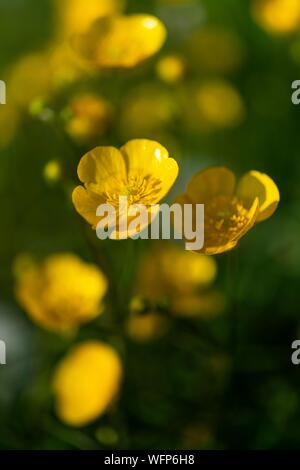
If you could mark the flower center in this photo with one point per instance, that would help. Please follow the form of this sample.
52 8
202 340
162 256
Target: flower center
224 219
138 190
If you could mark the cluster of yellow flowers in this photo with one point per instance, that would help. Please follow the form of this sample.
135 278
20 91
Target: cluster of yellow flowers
143 171
87 35
63 292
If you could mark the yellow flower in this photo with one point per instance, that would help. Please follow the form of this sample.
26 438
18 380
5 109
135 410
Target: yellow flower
147 111
61 293
179 279
66 67
230 210
209 304
170 68
86 382
90 117
52 171
41 74
120 41
31 77
277 16
75 16
212 105
219 105
146 326
170 269
141 170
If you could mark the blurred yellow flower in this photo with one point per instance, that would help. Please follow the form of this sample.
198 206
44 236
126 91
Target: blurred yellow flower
170 269
141 170
37 76
180 279
277 16
52 171
211 106
66 67
209 304
230 209
62 293
214 49
31 77
90 116
75 16
219 105
86 382
147 111
170 68
143 327
120 41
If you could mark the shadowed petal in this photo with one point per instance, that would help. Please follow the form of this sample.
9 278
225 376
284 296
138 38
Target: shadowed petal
259 185
212 182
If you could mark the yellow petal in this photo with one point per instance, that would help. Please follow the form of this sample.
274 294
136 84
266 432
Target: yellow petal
86 203
74 16
102 165
255 184
150 159
121 41
211 182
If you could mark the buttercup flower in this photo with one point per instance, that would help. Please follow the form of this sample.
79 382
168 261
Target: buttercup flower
41 74
90 116
212 105
86 382
65 66
120 41
33 73
219 105
148 110
141 170
207 304
170 269
146 326
169 276
277 16
62 293
170 68
230 209
75 16
52 171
